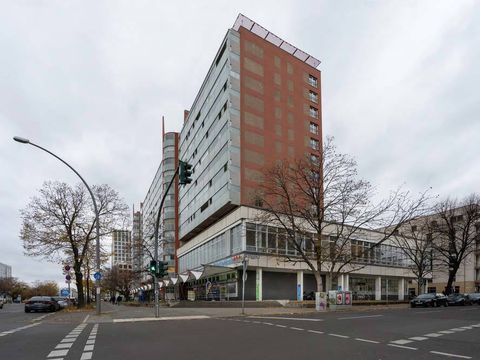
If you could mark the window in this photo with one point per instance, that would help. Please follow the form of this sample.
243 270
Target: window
224 47
313 112
204 206
312 80
313 96
314 144
314 128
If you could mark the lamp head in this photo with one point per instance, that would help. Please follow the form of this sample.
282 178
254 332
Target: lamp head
21 140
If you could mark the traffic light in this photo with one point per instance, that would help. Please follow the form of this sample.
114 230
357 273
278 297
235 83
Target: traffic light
185 173
162 271
152 268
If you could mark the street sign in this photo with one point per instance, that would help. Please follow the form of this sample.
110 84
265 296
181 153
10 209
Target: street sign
97 276
64 292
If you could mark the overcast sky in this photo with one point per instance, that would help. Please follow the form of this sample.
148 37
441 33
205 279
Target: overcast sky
91 80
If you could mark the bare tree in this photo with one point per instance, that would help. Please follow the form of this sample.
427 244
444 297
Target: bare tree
59 223
321 205
455 230
121 280
417 245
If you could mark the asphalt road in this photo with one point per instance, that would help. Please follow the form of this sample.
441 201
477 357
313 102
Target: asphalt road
433 333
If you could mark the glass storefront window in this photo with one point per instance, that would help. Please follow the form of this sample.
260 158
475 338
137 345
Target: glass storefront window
362 288
390 288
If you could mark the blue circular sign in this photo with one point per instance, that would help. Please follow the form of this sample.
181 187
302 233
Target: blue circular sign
97 276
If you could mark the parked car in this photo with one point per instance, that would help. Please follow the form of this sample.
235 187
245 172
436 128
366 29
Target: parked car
459 299
1 303
41 303
430 299
61 301
474 298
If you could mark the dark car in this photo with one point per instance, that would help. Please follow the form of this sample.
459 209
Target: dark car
431 299
459 299
41 303
474 298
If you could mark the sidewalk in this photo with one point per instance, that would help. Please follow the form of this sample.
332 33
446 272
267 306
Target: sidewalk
117 312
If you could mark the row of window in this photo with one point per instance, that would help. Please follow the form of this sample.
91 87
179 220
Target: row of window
227 243
268 239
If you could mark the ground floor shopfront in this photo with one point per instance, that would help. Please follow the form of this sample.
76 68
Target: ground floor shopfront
379 272
264 283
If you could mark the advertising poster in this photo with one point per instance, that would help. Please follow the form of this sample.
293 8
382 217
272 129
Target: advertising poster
348 299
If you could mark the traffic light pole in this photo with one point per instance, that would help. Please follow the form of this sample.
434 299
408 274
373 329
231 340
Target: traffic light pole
157 224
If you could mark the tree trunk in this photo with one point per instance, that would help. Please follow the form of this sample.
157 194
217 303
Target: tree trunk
451 276
318 277
419 285
88 285
79 281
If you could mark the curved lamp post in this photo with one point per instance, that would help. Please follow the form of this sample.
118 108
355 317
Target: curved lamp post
97 255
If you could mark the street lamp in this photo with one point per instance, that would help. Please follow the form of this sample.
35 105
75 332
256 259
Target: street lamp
97 255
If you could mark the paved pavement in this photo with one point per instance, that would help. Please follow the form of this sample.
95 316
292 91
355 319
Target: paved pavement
373 333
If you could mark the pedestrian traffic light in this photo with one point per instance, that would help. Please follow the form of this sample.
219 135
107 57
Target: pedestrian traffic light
152 268
185 173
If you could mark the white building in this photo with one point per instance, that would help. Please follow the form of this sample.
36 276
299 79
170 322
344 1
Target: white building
122 249
5 271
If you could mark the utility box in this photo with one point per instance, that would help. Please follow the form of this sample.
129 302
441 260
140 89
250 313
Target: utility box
338 299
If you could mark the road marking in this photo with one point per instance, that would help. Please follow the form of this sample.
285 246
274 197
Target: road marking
295 328
88 348
192 317
86 318
359 317
56 353
284 318
268 323
8 332
368 341
418 338
467 327
458 329
428 312
281 326
434 335
42 317
401 342
451 355
247 321
446 332
340 336
66 343
403 347
316 332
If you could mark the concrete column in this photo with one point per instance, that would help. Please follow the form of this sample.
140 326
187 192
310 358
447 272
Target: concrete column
346 282
259 285
378 288
341 282
328 283
401 289
299 285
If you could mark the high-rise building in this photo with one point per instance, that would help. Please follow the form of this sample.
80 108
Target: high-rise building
5 271
122 249
168 229
137 242
259 103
